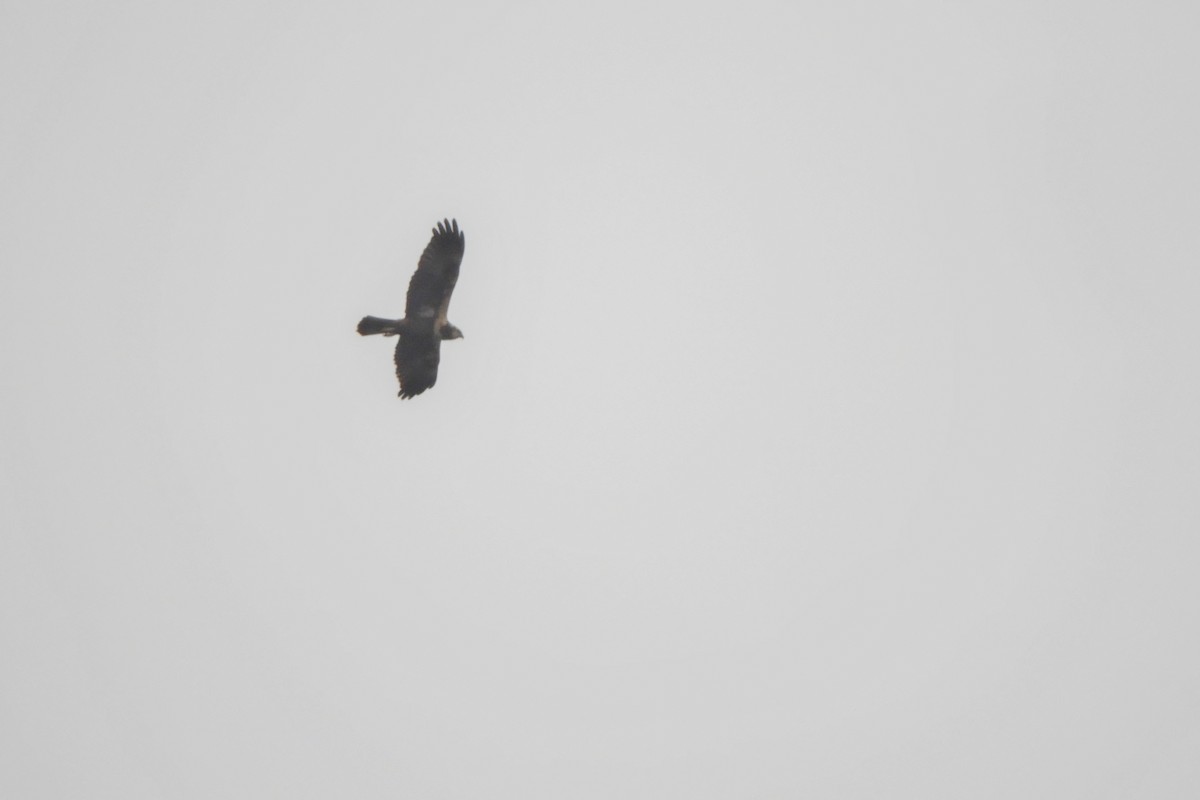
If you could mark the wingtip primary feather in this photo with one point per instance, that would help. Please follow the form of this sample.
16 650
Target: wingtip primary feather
449 227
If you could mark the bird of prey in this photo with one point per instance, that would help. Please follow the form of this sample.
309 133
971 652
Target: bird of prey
424 325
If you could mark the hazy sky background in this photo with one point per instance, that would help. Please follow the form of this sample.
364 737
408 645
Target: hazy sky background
825 426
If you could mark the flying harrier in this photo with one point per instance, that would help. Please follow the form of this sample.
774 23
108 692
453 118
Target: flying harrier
424 325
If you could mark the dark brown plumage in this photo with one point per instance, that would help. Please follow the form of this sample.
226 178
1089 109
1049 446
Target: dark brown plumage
424 325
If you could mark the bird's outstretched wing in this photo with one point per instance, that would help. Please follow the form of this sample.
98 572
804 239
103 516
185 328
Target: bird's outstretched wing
417 358
432 284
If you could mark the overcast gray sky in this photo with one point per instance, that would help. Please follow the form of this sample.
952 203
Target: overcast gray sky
825 424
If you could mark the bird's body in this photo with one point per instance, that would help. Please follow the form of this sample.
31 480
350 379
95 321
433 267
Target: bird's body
424 325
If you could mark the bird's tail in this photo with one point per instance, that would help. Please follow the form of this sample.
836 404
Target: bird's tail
369 326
